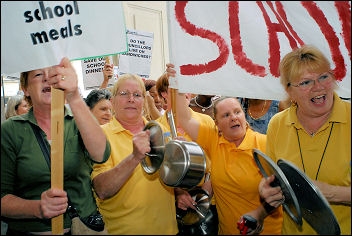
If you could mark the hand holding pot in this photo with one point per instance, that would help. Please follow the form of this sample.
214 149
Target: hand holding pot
141 144
184 199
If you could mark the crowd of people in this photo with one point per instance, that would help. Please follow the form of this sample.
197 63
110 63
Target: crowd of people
105 143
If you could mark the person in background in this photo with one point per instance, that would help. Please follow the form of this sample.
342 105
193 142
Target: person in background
16 105
314 134
203 104
98 101
154 107
234 175
27 200
130 200
259 112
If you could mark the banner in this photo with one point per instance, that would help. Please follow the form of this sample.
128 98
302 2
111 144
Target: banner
139 56
38 34
234 48
92 73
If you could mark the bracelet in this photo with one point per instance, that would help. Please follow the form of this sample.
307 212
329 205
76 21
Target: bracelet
268 208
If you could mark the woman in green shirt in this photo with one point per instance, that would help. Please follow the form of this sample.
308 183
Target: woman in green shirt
27 201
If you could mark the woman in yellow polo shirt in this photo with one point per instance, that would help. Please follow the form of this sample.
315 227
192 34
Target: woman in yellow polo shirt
234 174
130 200
314 133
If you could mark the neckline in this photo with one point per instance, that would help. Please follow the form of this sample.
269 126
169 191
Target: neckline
254 118
321 159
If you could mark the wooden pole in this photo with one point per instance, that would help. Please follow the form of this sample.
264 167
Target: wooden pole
57 147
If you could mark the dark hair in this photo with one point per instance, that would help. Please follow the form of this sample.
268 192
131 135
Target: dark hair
162 84
149 83
96 95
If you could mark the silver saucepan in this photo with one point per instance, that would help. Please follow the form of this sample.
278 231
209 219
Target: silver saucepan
184 162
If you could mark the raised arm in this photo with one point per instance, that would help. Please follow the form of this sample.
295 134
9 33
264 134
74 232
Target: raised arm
108 72
183 112
93 136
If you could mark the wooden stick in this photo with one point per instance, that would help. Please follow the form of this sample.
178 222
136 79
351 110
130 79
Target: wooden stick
57 147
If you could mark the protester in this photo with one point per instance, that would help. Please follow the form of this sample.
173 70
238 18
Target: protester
100 105
162 86
259 112
234 175
314 134
130 200
15 106
27 201
154 107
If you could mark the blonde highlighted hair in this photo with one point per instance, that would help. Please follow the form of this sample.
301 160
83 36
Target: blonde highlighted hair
305 59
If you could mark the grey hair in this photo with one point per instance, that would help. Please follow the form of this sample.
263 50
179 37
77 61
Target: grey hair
12 105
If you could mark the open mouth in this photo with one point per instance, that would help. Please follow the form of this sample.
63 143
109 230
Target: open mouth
46 90
235 126
319 99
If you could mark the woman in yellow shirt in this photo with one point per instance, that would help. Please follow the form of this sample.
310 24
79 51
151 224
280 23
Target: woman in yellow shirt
234 174
130 200
314 134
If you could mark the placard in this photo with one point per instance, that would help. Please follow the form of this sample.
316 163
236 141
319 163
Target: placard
38 34
234 48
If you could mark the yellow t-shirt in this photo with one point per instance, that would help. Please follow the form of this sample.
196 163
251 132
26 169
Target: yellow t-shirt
144 205
235 178
282 143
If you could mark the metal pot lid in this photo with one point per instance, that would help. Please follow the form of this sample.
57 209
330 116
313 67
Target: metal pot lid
152 161
176 163
268 167
314 206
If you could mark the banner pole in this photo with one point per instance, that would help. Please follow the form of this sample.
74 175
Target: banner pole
57 144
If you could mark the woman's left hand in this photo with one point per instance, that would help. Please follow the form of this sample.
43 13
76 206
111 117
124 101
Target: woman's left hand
64 77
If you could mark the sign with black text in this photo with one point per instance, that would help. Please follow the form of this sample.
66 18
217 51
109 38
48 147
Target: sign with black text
38 34
139 56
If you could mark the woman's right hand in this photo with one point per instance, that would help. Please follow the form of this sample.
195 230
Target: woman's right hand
53 203
184 199
141 144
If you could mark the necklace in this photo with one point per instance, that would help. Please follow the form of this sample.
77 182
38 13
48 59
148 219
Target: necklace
321 160
203 108
250 114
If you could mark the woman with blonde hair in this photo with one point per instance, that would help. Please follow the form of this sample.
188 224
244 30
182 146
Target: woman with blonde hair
314 134
130 200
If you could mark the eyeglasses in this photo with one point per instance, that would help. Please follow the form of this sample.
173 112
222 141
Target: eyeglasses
125 94
323 79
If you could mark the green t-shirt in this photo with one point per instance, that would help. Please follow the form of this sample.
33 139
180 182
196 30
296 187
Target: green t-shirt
25 172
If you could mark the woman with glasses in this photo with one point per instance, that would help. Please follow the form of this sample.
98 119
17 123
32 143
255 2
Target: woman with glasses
314 134
130 200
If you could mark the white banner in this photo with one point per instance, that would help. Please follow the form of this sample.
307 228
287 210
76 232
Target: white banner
37 34
234 48
139 56
92 73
